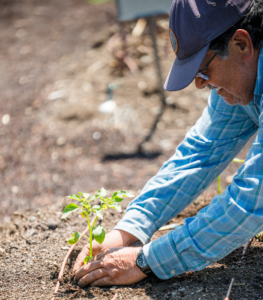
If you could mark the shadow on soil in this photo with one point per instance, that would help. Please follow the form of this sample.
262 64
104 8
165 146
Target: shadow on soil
137 154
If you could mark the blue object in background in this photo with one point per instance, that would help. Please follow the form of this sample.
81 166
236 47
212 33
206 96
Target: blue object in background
135 9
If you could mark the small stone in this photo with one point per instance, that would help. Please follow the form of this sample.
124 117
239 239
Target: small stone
6 119
113 287
65 248
52 225
61 141
32 219
24 269
181 289
17 214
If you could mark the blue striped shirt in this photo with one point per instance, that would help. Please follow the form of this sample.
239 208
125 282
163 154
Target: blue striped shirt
232 218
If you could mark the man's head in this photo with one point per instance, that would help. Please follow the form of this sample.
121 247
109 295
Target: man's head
224 46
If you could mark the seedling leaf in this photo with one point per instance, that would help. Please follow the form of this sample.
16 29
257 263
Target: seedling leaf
84 195
102 192
92 198
74 238
75 197
99 233
118 199
69 209
116 206
95 207
87 258
122 194
99 214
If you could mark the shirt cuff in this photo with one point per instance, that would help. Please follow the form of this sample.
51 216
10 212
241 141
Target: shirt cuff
164 258
138 224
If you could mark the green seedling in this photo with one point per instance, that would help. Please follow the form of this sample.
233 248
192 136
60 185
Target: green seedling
98 232
219 177
97 1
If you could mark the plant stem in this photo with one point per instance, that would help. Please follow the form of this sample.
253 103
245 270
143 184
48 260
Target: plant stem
65 261
90 236
94 221
219 184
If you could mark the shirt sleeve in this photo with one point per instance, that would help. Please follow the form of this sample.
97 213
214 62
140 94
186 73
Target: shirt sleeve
223 225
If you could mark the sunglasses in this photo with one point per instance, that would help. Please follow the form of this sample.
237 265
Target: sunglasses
200 72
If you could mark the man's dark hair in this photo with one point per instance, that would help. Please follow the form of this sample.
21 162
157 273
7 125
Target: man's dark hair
252 22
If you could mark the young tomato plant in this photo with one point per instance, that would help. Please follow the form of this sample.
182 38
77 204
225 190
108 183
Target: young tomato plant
98 232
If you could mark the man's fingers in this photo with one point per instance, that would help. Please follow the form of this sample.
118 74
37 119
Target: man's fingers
95 275
87 268
80 259
105 281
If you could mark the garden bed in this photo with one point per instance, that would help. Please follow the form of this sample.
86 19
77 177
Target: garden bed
33 246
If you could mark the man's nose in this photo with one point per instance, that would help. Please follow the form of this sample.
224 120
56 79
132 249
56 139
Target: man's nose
200 83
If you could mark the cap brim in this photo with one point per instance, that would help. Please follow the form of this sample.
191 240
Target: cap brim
184 71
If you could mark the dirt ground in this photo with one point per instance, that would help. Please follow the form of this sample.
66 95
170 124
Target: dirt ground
34 244
57 59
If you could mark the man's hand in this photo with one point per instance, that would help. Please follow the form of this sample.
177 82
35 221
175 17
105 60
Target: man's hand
115 266
96 249
115 238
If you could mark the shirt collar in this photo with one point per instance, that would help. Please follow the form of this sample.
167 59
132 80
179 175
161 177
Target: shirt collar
259 82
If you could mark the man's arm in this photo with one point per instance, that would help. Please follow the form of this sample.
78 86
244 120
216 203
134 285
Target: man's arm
223 226
207 149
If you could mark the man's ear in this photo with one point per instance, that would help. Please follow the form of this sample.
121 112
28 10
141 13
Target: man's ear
242 45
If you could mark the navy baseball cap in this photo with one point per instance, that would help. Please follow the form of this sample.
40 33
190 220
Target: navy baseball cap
193 25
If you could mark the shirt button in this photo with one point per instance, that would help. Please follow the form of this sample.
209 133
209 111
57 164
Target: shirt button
172 272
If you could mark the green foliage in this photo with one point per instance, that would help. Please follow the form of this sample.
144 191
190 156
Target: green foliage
219 184
105 202
74 238
259 236
219 177
69 209
99 233
238 160
97 1
87 258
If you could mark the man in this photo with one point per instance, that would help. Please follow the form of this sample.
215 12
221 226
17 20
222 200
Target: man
218 45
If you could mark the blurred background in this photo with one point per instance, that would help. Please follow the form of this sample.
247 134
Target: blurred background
79 93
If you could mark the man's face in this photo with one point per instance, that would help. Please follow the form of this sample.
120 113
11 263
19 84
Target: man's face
234 77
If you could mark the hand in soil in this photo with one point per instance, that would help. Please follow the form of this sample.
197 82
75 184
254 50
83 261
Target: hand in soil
115 238
96 249
115 266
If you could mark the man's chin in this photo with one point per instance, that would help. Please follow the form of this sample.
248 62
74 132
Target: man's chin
228 98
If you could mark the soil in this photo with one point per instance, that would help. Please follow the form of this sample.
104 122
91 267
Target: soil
57 58
34 244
